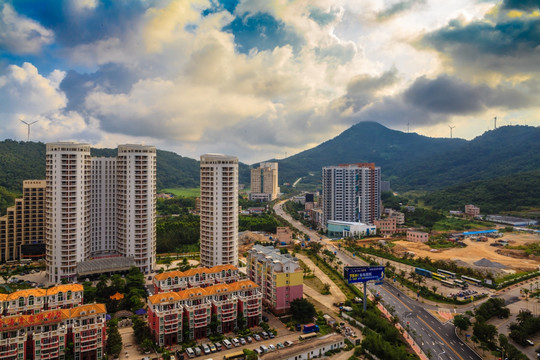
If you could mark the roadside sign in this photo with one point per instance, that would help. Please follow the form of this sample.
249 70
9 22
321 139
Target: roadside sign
362 274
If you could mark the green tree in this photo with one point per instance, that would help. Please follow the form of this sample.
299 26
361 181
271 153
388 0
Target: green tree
462 322
214 325
114 340
484 332
302 310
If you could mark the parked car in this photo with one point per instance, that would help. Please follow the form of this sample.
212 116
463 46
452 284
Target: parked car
190 353
271 334
242 341
258 351
264 348
280 345
264 335
249 339
257 337
288 343
206 349
218 346
235 342
197 350
271 347
265 318
227 344
212 347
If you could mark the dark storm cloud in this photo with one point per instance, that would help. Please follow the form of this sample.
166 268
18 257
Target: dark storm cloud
109 18
110 78
450 95
509 46
527 5
398 8
361 90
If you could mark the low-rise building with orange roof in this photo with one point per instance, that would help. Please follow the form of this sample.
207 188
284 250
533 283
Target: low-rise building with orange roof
31 301
44 335
165 318
199 277
193 309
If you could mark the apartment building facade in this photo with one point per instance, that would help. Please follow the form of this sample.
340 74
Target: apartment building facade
219 210
99 206
45 335
22 228
198 277
264 182
352 192
279 275
187 314
417 236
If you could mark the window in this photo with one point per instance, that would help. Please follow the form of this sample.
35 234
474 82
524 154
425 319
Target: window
21 302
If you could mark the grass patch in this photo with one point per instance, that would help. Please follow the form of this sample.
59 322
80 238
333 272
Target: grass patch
451 223
185 192
314 283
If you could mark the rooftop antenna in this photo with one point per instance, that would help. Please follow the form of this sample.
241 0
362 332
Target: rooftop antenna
28 124
451 127
495 120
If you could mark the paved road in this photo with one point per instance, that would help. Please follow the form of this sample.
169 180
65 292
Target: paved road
433 337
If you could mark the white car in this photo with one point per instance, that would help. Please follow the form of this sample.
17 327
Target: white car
271 347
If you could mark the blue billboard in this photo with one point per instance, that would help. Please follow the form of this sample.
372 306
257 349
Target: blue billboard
361 274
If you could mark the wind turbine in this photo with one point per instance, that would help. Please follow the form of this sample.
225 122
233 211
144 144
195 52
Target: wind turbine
451 127
28 124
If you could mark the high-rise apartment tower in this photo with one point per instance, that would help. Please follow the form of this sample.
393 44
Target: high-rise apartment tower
264 182
99 206
352 192
67 225
219 210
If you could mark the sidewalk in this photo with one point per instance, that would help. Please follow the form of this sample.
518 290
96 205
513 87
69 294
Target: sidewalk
335 291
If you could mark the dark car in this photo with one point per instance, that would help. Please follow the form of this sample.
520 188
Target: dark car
265 318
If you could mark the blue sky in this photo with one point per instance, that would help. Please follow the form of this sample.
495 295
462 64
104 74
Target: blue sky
261 79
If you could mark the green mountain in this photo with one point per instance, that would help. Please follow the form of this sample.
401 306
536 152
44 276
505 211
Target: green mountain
509 193
415 162
20 160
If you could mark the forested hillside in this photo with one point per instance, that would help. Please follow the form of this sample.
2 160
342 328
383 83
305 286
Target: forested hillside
416 162
510 193
21 160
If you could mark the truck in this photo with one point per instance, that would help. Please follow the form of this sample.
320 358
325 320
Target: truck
309 328
423 272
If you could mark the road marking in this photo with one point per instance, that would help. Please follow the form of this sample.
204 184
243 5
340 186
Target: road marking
444 341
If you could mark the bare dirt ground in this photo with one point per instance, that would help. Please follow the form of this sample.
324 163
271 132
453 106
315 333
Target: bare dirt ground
475 251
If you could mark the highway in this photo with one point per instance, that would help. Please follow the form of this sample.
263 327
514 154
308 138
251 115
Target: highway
435 338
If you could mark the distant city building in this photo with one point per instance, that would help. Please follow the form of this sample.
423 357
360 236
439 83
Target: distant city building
309 198
279 275
347 228
22 228
385 186
386 226
417 236
317 216
352 193
471 210
97 206
511 220
299 199
264 182
398 215
219 210
170 314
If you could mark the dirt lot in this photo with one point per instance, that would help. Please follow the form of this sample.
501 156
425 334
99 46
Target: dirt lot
476 251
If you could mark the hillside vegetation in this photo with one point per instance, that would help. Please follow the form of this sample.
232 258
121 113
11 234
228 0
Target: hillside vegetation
509 193
415 162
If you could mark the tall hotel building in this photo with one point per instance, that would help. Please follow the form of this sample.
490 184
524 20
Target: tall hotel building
352 192
97 206
219 210
264 182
